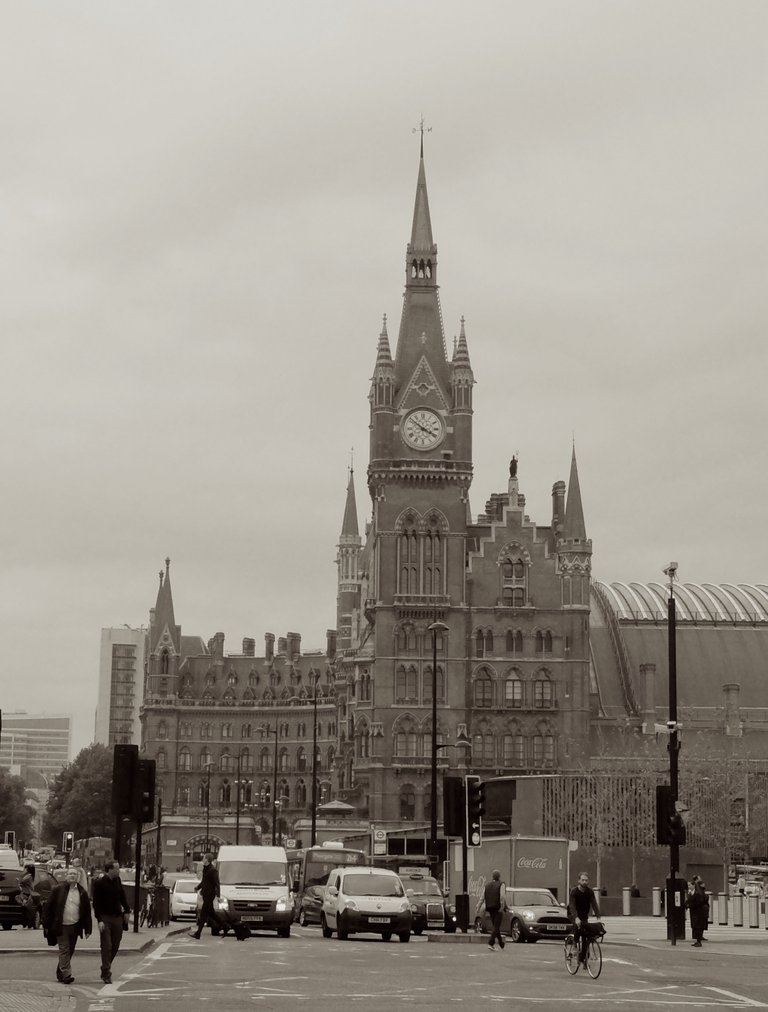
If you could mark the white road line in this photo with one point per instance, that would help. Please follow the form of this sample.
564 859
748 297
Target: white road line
738 997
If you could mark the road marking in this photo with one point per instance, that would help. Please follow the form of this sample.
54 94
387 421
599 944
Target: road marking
738 997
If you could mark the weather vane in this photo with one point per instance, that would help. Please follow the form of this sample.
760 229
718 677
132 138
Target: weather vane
421 129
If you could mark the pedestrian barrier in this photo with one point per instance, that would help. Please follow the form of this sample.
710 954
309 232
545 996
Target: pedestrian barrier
722 908
711 908
737 902
753 911
626 901
656 900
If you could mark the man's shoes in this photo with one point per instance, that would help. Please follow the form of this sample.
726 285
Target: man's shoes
59 974
696 945
194 934
68 980
107 978
491 947
502 944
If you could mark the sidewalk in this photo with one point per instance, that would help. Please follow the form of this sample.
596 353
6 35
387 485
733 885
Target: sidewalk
21 941
653 931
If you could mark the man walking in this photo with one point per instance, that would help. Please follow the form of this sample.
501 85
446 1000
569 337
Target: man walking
209 889
67 917
494 903
111 908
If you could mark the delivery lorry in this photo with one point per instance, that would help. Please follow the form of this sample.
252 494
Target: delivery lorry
538 861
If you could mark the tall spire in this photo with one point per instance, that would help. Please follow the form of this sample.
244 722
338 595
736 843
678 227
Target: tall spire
573 528
164 619
349 528
421 230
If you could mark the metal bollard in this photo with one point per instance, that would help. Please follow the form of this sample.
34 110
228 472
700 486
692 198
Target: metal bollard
753 911
722 908
656 900
626 901
738 910
711 911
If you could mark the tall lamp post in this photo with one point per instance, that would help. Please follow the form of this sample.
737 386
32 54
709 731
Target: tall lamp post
266 729
239 783
313 831
208 806
434 628
673 893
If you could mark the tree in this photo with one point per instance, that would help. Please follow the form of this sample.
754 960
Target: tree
15 813
80 799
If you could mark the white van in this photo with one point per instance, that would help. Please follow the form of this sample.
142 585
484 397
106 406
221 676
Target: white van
255 885
8 857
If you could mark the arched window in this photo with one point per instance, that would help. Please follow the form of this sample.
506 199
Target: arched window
162 760
543 749
542 691
489 643
226 730
265 760
483 694
205 758
225 793
246 761
514 579
226 763
283 760
407 803
406 684
185 760
426 749
301 794
246 730
284 793
515 643
539 642
480 643
440 682
182 795
202 795
548 643
433 557
405 741
483 749
206 730
164 662
231 679
301 760
513 690
514 749
408 549
162 729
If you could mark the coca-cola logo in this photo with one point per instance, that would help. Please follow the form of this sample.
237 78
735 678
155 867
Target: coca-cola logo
539 863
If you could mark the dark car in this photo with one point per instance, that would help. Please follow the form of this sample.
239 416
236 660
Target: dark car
429 906
11 912
531 914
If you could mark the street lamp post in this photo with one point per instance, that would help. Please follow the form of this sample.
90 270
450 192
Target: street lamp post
674 751
313 831
435 628
238 787
208 807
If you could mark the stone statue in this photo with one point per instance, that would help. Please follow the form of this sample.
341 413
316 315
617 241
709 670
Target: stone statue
513 468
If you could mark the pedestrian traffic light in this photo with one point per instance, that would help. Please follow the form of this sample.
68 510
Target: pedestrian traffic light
10 838
475 795
676 829
68 843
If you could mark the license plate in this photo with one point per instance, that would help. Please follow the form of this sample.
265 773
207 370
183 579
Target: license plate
435 924
378 920
554 927
252 917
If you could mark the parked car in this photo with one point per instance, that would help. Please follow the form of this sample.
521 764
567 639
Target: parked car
184 898
361 899
11 912
531 914
429 907
310 907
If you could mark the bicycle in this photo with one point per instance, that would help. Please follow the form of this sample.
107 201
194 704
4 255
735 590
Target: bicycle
147 915
594 959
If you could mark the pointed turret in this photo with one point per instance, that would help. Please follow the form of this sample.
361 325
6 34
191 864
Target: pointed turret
421 229
348 562
164 638
573 528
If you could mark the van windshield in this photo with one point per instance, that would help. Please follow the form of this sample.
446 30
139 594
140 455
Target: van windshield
372 885
261 873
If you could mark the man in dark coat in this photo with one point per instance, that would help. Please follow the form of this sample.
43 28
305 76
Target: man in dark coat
111 908
698 905
209 889
493 902
67 917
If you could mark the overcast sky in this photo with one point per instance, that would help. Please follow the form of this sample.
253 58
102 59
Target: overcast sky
205 208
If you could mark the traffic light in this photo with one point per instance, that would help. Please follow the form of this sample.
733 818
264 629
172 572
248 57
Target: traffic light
68 843
144 791
475 795
454 814
10 838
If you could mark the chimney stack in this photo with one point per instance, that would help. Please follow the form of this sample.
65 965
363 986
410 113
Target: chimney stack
269 647
330 641
249 647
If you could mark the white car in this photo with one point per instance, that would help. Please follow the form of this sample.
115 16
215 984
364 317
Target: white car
365 899
184 898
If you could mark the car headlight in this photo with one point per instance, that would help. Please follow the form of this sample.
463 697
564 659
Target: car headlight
414 908
223 903
450 909
282 905
351 905
529 915
405 906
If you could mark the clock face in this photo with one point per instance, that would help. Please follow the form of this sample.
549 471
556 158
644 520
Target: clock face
422 429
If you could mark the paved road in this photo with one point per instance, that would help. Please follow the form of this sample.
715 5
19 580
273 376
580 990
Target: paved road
267 973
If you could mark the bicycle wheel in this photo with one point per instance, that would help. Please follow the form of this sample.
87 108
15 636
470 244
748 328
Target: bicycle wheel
571 953
594 959
142 916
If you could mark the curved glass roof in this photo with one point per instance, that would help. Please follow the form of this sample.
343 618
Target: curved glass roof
706 602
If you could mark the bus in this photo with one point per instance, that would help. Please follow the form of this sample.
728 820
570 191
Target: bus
309 869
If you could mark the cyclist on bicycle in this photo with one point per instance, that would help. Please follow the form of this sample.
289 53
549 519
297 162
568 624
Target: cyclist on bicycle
581 901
